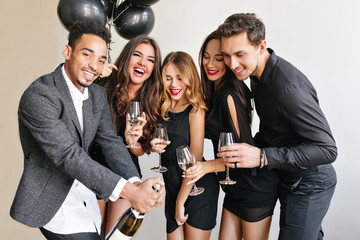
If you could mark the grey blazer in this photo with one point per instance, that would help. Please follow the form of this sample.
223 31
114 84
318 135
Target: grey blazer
56 151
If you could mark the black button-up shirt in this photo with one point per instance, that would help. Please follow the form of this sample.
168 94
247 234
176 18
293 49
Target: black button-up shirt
293 130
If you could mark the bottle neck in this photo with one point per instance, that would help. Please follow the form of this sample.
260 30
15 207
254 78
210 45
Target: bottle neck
137 214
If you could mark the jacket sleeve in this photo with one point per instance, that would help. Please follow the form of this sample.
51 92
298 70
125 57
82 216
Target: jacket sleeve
112 147
45 116
300 107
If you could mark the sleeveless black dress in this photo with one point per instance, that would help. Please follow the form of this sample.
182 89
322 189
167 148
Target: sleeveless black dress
254 196
202 209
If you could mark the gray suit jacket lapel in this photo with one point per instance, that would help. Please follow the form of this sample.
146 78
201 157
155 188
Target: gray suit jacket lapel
65 93
89 125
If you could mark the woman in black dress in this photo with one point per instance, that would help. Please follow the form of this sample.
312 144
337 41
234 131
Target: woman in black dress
248 205
183 113
138 78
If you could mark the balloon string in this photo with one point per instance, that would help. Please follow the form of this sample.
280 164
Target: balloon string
109 46
113 9
111 23
120 13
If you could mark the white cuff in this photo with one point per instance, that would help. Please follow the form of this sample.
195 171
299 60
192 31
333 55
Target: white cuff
134 179
119 187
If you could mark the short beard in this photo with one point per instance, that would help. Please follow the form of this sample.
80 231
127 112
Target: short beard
82 85
257 65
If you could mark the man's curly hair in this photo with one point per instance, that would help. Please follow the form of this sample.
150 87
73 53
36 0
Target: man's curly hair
87 26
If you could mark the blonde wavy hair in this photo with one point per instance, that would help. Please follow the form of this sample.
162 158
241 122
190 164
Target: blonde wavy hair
186 67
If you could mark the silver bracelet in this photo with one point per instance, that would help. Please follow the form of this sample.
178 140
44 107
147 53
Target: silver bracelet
262 158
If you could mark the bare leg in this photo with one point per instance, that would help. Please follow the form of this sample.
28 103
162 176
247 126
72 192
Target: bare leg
231 226
257 230
114 211
195 233
178 234
102 207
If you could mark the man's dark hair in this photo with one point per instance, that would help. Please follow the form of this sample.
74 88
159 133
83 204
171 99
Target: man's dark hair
87 26
243 22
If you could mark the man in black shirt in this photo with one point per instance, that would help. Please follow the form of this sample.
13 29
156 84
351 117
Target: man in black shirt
294 136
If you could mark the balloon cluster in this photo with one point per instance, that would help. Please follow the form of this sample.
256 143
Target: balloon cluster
129 17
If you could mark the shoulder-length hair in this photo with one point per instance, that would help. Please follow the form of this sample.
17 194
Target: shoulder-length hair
228 81
186 67
148 95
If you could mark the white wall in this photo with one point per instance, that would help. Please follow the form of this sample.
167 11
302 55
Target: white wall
319 37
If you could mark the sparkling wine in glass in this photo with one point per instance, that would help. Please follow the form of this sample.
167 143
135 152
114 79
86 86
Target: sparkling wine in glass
225 139
186 160
161 134
135 114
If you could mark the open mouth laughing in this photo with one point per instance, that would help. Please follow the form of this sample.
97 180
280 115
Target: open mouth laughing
139 72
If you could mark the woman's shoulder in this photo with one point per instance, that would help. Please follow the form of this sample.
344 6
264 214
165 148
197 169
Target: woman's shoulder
195 111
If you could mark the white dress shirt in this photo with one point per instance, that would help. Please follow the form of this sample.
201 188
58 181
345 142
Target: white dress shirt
80 210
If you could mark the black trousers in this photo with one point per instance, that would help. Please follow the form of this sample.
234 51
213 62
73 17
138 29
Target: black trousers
304 204
76 236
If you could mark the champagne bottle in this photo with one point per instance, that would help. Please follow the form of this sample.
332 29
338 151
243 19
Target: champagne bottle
128 223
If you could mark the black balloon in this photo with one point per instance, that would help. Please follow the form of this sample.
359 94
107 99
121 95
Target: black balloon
131 21
109 7
70 11
143 2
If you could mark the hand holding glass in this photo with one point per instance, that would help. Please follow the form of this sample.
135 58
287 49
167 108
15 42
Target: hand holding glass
134 115
186 160
226 139
161 134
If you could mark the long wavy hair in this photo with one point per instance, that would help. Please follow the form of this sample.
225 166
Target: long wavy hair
186 67
148 95
228 81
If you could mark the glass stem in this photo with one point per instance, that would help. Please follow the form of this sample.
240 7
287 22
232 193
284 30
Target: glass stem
159 159
227 172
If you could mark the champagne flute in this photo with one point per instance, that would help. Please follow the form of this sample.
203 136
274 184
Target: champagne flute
161 134
225 139
135 114
186 160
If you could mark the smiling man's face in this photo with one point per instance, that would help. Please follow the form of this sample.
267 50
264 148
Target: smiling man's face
85 61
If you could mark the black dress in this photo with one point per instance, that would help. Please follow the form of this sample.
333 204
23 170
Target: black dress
202 209
254 196
95 151
121 133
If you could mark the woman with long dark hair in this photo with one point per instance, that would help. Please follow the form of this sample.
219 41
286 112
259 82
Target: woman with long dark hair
248 205
138 78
